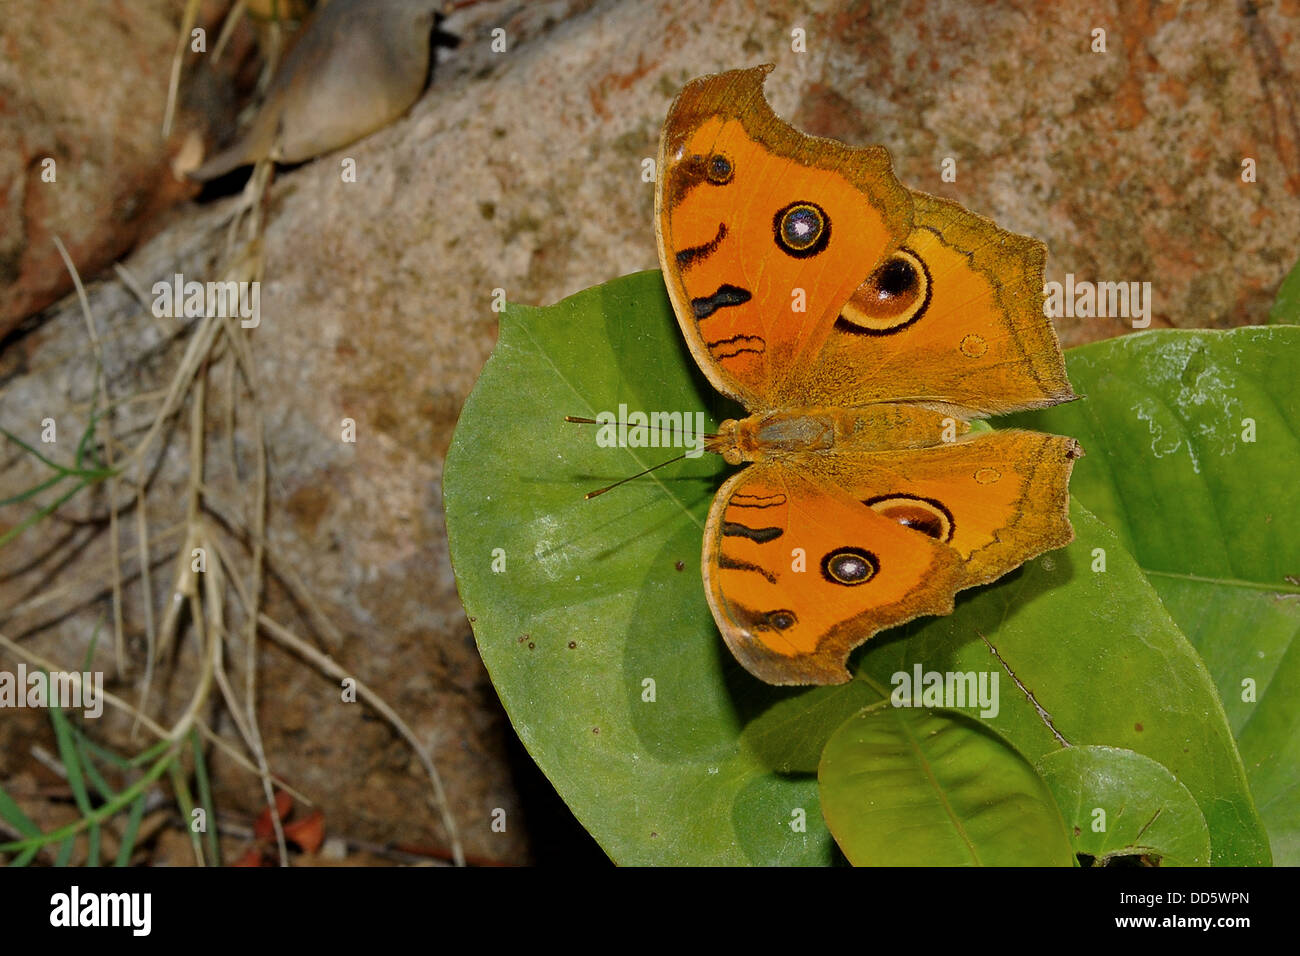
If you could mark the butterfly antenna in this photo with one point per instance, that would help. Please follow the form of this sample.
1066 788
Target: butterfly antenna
600 491
591 421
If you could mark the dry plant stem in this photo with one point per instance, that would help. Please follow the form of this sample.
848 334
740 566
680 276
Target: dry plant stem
48 761
247 723
228 693
206 610
274 36
230 423
248 213
146 582
227 28
133 286
242 356
85 408
185 584
141 513
101 388
198 616
327 665
182 586
195 353
174 81
283 570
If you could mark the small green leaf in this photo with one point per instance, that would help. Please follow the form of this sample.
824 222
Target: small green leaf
961 794
1118 804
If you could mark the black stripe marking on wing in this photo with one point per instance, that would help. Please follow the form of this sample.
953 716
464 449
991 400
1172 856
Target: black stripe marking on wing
735 564
733 529
757 501
738 345
688 257
725 296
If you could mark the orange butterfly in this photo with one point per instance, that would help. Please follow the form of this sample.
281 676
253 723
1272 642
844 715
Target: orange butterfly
862 325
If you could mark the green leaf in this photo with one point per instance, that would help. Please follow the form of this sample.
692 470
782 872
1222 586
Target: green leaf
963 794
1121 804
1286 307
592 621
1210 516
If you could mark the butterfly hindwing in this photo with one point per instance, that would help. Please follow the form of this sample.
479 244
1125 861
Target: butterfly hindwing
806 560
997 498
798 573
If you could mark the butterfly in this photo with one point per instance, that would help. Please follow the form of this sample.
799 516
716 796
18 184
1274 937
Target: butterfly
863 326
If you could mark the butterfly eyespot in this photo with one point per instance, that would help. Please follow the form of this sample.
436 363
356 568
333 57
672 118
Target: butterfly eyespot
718 169
849 566
973 346
987 476
897 279
892 298
801 229
781 620
925 515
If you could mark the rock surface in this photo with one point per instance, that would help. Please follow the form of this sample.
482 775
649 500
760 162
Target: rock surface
86 89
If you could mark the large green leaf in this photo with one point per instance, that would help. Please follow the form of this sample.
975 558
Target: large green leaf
1120 804
592 621
962 794
1193 457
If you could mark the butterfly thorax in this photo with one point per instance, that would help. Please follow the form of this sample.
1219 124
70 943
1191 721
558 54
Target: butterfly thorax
781 434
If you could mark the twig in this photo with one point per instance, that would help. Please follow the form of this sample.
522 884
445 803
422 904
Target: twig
101 389
174 81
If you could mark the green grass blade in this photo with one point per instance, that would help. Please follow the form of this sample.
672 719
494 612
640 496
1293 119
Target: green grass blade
33 491
66 738
22 859
13 815
181 789
130 833
205 796
65 851
36 454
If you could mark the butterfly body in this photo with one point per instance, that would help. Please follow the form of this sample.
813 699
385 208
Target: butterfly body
791 432
863 325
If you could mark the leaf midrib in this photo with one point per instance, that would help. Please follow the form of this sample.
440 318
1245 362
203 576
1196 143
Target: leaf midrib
1282 588
583 400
